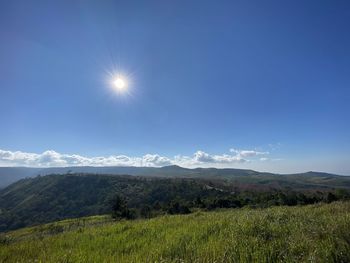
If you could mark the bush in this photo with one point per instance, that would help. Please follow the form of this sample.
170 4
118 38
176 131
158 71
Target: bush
177 208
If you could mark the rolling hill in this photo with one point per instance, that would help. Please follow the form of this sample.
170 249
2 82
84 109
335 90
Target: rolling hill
43 199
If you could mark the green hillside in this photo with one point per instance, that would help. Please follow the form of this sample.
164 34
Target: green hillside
45 199
55 197
51 198
313 233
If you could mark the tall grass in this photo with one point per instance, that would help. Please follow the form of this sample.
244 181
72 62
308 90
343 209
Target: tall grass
316 233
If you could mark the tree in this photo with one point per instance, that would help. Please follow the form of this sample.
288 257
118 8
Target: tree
157 206
146 211
120 208
199 203
177 208
331 198
342 194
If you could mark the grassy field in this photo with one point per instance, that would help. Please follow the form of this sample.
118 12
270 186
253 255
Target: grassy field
315 233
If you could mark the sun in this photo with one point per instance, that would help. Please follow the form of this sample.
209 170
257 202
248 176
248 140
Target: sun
119 83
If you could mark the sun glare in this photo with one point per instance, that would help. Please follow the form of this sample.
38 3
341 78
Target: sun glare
119 83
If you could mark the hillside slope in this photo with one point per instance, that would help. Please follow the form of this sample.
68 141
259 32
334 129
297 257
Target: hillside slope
55 197
316 233
50 198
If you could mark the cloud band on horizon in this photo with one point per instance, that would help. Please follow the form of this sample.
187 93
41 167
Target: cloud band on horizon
52 158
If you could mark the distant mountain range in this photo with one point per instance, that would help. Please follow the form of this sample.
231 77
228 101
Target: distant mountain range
9 175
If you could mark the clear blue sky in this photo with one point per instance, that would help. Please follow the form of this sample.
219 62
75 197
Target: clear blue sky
270 77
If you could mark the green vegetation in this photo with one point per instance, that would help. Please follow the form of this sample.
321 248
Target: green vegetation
55 197
51 198
313 233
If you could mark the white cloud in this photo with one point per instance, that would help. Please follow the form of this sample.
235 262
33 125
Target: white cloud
52 158
203 157
248 153
155 160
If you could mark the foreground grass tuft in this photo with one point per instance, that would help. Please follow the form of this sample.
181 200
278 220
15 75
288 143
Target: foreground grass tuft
315 233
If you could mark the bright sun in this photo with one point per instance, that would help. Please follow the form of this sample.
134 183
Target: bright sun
119 83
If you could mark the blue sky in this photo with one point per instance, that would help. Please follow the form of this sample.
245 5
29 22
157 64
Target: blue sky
269 80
